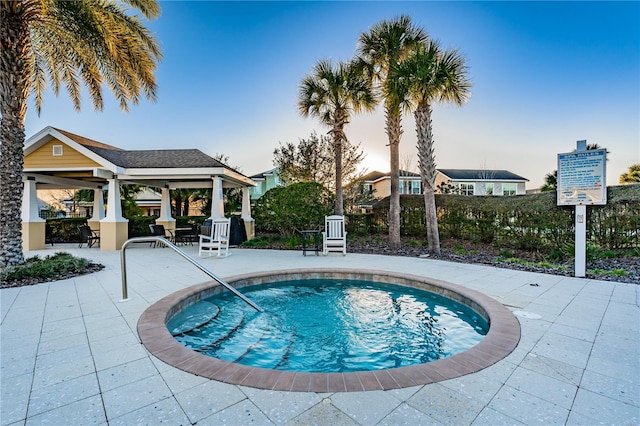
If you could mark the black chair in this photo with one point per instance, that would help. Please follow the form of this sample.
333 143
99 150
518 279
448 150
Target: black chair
159 231
88 236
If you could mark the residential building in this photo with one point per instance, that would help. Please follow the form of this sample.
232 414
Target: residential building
379 184
480 182
460 181
264 181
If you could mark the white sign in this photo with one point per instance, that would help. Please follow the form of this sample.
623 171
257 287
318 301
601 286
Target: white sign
582 178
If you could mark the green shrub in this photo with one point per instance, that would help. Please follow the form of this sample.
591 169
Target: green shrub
291 208
49 267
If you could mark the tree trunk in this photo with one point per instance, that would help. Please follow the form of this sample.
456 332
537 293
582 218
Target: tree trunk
427 165
185 206
338 135
394 131
14 91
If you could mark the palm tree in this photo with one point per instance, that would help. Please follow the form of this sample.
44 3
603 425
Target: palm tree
632 175
550 182
385 45
332 94
68 42
430 75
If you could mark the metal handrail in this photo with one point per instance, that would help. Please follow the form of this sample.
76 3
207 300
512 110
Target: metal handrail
182 253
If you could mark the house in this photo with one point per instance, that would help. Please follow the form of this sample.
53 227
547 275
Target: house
462 181
148 199
379 184
55 159
480 182
263 182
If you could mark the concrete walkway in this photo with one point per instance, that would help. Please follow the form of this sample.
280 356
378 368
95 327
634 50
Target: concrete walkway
70 353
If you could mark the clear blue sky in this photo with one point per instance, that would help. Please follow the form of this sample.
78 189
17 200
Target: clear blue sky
545 75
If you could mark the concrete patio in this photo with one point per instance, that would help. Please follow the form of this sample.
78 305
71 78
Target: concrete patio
70 353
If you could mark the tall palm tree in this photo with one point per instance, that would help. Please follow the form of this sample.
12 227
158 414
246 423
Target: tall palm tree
428 76
385 45
332 94
66 42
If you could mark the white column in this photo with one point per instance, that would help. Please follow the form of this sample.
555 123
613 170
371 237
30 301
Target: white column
246 204
113 228
165 207
98 207
217 198
114 206
30 202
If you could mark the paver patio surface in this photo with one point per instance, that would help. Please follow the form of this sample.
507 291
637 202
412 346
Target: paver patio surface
70 353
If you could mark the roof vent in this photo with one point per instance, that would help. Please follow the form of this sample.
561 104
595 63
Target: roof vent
57 150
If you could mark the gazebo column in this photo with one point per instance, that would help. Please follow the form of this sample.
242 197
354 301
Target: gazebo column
217 198
33 226
249 222
98 210
165 219
114 229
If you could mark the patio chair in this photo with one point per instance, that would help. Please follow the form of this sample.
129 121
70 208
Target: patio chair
334 236
217 239
159 231
88 236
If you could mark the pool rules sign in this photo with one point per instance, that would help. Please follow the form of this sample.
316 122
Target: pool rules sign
581 182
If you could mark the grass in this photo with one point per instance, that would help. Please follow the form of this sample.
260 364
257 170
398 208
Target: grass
619 272
541 264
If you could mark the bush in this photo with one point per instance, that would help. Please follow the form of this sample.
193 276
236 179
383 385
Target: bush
298 206
50 267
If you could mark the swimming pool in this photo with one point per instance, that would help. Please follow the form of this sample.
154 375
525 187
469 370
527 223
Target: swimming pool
502 337
329 326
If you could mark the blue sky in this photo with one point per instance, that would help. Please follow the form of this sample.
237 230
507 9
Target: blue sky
545 75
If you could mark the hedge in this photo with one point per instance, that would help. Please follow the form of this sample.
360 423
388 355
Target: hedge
532 222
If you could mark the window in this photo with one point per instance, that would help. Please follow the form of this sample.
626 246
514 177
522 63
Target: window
488 189
368 188
258 188
57 150
509 189
466 188
410 187
417 187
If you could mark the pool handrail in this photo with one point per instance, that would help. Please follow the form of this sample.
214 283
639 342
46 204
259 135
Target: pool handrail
163 240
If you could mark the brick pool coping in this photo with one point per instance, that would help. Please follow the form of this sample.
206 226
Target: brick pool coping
500 341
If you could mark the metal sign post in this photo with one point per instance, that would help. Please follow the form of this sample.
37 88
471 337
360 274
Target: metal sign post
582 182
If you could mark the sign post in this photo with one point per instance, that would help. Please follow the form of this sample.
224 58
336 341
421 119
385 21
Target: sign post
582 182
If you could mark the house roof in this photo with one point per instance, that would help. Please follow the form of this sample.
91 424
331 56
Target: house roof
145 159
177 168
263 175
376 175
481 174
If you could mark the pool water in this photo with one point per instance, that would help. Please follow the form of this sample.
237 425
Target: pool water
329 325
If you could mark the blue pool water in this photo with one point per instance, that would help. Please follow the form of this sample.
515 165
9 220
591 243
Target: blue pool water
329 325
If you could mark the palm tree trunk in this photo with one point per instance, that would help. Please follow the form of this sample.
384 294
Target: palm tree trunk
427 164
14 90
339 209
394 131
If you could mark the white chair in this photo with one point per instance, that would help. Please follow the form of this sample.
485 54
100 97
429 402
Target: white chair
217 240
334 237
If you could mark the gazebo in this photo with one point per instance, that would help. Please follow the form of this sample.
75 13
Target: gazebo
55 159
